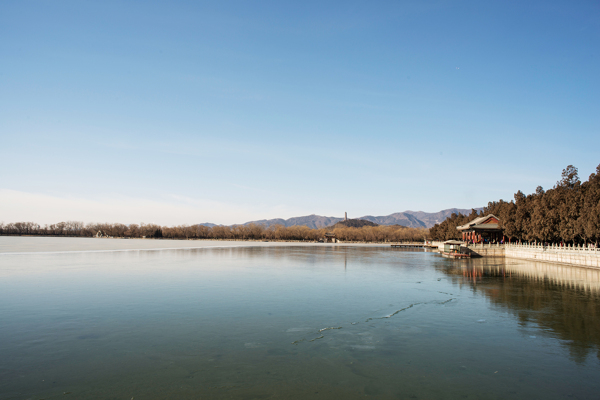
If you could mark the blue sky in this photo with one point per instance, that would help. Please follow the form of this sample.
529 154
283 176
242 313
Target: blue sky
187 112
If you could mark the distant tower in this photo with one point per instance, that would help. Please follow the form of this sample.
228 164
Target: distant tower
345 216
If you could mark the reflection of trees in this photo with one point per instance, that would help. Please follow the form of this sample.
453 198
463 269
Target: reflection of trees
560 299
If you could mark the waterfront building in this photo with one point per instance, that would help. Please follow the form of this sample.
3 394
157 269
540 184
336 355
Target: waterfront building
452 246
330 238
482 230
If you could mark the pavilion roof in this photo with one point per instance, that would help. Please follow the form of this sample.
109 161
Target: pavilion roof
478 223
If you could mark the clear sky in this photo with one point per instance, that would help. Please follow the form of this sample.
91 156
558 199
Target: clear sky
188 112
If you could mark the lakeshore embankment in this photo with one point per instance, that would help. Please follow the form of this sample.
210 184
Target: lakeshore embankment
580 256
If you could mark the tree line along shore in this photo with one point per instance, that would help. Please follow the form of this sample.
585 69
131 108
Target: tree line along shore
381 233
568 213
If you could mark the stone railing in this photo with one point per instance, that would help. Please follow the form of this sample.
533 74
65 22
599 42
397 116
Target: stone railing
485 246
485 249
553 247
584 256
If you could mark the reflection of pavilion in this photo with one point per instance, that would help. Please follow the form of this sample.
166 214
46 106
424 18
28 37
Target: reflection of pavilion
482 230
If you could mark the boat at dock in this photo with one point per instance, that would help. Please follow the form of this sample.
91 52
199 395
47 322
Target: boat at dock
452 248
456 255
455 249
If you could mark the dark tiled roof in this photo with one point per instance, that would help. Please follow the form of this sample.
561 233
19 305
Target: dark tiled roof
477 223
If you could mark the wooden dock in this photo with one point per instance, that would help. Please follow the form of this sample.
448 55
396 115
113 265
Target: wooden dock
414 246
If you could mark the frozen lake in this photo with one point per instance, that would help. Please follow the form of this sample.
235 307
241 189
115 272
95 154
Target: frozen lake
93 319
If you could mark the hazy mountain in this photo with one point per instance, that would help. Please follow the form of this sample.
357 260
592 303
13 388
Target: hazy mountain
312 221
413 219
431 219
417 219
401 218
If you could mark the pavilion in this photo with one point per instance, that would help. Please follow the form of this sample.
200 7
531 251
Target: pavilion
330 238
482 230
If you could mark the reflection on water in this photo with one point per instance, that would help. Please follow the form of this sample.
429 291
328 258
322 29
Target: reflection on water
330 322
563 301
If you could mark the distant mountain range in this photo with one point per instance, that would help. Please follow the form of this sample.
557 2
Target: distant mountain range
312 221
413 219
209 224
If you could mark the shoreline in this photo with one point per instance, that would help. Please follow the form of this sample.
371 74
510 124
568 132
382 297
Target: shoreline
34 244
